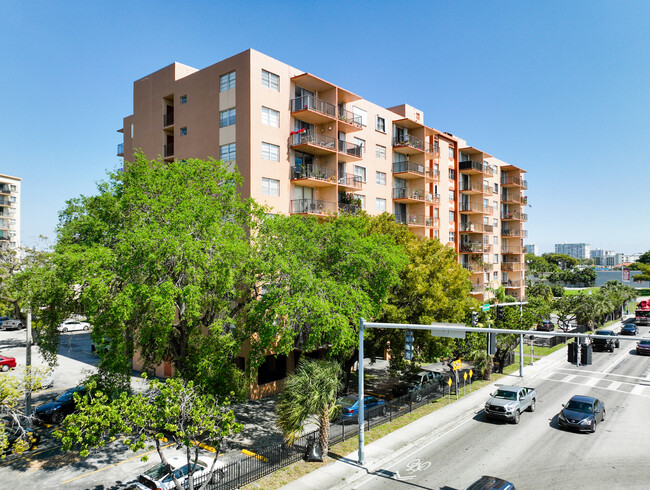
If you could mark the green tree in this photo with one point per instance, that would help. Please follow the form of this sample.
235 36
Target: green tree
538 265
539 290
309 394
159 262
645 258
177 410
645 272
561 261
565 307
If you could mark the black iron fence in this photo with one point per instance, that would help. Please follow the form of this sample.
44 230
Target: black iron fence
270 459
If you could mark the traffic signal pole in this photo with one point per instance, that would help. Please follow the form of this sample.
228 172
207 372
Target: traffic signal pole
362 326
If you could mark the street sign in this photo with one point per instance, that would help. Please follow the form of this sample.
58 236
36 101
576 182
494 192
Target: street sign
485 307
449 382
455 334
465 376
455 365
471 373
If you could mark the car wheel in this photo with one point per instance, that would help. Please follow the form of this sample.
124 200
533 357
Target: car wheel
57 417
86 328
517 416
5 367
593 426
64 330
418 398
532 406
602 419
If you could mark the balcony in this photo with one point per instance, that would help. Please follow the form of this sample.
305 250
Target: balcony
477 288
4 189
473 208
513 182
433 175
349 152
472 247
473 167
168 150
120 150
348 208
348 121
511 284
507 249
416 220
433 150
472 187
351 181
313 206
512 266
511 197
408 145
168 119
476 228
514 216
5 202
313 110
410 194
314 143
514 233
314 174
408 170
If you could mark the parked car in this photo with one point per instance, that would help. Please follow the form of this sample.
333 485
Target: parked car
350 406
490 483
9 323
545 326
508 402
630 329
73 325
582 413
606 344
55 411
417 384
643 348
7 363
160 475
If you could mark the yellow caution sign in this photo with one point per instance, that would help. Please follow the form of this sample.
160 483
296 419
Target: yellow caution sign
465 376
449 382
455 365
471 373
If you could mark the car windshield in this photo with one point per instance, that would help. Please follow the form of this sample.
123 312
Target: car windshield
644 342
347 401
577 406
506 395
605 332
157 472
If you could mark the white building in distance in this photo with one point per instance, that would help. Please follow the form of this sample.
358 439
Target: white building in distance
575 250
9 212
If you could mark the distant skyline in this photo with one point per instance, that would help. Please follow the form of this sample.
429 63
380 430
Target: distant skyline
559 89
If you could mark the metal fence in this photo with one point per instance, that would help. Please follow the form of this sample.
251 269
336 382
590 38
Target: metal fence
268 460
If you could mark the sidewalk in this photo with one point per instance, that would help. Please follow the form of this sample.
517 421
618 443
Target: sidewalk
344 472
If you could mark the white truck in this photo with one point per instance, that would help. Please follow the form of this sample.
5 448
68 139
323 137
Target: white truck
508 402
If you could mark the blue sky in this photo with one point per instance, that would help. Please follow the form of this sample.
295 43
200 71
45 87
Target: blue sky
558 88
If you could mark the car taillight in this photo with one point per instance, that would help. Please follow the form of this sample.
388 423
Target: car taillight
348 410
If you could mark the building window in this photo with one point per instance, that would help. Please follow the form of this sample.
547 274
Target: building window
362 199
183 99
228 117
357 111
495 275
451 152
495 240
381 124
380 152
451 216
495 207
183 131
486 258
495 223
380 178
227 81
436 234
228 152
452 173
496 188
270 80
360 143
270 152
381 205
270 117
360 172
452 237
496 258
270 187
436 212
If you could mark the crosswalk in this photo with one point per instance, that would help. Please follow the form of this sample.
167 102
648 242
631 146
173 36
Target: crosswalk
632 385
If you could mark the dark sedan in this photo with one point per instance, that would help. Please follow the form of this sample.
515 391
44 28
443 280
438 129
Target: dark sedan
643 348
630 329
490 483
582 413
55 411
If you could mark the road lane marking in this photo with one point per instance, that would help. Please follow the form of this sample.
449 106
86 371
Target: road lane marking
637 390
614 385
603 374
112 465
568 378
591 381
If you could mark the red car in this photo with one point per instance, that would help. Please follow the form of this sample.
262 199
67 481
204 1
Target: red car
7 363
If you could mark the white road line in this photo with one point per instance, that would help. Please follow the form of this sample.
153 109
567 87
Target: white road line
614 385
637 390
568 379
603 373
591 381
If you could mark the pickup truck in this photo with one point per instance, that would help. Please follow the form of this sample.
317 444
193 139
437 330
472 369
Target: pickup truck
508 402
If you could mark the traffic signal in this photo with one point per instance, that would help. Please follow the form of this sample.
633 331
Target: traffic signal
500 313
492 344
408 345
474 318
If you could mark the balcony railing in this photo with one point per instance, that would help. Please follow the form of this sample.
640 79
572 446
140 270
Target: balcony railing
349 208
416 194
472 247
168 119
120 149
313 138
168 150
433 174
507 180
510 250
313 172
350 118
511 266
408 141
351 180
511 284
478 288
433 149
476 228
5 189
471 186
514 215
514 233
313 206
472 206
478 166
349 149
400 167
309 102
415 220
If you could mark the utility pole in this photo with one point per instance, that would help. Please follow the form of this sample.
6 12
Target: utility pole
28 363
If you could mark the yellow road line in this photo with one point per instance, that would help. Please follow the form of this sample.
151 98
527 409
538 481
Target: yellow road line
257 456
111 466
27 456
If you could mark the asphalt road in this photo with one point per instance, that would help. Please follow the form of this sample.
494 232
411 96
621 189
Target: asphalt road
536 454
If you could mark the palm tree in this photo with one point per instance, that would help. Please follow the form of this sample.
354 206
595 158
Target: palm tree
309 394
482 361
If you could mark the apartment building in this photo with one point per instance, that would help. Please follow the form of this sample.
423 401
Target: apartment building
9 212
575 250
307 146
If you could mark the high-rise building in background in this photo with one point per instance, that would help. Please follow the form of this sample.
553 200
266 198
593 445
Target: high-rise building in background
576 250
307 146
9 212
531 248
